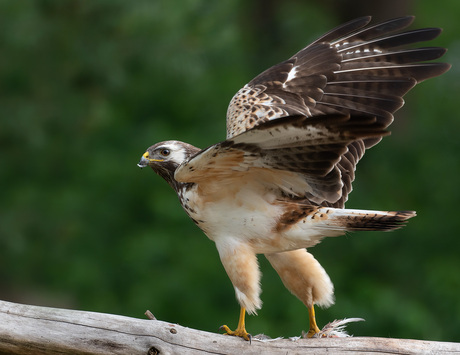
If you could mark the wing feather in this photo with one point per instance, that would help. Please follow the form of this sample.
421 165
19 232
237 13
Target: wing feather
368 58
305 153
355 69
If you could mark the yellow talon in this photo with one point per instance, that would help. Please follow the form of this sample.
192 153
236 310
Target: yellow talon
240 331
313 327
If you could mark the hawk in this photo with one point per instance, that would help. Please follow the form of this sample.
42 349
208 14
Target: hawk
279 182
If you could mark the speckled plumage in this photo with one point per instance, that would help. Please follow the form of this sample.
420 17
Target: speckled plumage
279 182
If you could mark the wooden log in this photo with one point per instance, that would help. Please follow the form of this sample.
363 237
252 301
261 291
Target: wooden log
26 329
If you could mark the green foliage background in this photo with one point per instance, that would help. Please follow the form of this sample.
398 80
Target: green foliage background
87 86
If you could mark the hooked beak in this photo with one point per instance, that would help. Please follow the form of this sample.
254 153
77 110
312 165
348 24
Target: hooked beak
145 160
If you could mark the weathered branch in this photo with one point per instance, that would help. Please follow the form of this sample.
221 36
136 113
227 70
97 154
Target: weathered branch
36 330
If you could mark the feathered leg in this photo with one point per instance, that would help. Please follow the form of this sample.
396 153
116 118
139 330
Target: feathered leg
302 274
240 263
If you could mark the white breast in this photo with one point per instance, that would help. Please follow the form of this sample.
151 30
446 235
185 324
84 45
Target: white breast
246 212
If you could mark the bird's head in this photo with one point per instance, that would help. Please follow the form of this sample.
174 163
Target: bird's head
165 157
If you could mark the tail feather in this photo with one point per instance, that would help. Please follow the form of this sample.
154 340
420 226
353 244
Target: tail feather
304 225
362 220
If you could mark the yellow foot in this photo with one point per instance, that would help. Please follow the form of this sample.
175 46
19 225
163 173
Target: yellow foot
313 331
313 327
238 332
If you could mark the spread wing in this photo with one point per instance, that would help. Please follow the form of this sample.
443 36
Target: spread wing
354 69
298 156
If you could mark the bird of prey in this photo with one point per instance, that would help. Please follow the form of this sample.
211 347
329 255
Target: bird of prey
279 182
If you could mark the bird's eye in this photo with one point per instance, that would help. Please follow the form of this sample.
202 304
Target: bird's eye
165 152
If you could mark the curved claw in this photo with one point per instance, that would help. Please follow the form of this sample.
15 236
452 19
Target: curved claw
312 332
238 332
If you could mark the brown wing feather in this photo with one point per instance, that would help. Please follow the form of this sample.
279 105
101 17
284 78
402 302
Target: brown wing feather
354 69
297 156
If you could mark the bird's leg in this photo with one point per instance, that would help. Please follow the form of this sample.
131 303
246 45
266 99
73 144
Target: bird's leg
313 327
240 331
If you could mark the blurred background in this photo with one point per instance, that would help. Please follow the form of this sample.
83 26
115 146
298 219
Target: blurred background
87 86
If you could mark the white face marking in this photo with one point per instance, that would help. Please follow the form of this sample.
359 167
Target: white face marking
177 152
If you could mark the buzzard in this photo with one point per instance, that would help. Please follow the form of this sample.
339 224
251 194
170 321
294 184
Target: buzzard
279 182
